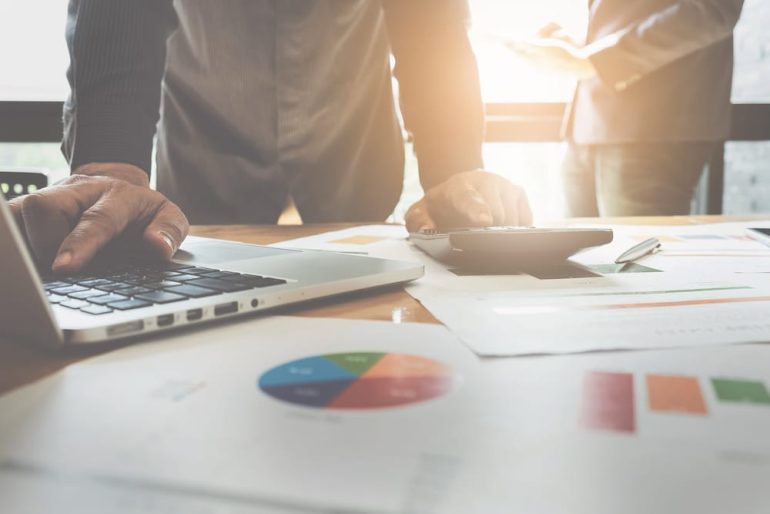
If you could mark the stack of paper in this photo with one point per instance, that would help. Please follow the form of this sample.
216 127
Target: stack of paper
708 286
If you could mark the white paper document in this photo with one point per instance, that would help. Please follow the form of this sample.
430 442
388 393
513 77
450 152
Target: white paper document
251 417
707 286
271 415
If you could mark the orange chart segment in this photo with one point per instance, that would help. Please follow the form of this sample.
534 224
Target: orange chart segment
394 365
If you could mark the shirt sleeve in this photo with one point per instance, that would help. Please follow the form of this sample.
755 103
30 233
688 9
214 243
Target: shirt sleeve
687 26
438 85
117 54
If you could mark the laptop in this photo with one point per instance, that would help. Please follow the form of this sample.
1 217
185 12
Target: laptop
207 280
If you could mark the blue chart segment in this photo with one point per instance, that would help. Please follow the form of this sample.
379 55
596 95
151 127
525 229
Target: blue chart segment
357 380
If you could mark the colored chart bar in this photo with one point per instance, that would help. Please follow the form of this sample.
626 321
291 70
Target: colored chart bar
740 391
359 240
608 402
675 394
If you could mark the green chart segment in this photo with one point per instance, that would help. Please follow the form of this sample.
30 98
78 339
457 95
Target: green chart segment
357 380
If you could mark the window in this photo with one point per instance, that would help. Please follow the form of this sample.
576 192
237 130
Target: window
34 53
747 165
34 57
505 77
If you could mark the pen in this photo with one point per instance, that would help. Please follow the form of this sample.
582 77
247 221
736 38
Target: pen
638 251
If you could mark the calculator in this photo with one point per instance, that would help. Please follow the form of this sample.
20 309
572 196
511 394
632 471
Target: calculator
507 246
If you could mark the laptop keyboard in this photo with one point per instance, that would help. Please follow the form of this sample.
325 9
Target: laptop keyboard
143 286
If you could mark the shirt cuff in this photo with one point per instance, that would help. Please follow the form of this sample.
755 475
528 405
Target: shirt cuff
108 133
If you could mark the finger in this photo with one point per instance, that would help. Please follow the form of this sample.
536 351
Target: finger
517 208
45 225
16 213
48 215
167 230
469 205
549 29
418 217
15 206
120 205
490 190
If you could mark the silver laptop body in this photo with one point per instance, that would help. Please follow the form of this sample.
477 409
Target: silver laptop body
216 280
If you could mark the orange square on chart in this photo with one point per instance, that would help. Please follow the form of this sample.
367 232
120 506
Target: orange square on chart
662 239
675 394
359 240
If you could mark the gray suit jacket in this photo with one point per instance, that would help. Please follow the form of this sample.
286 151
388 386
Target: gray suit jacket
664 72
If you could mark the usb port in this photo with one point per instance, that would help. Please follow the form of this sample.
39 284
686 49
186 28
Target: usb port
166 320
125 328
226 308
194 314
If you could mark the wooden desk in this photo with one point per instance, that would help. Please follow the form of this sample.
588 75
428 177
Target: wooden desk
21 364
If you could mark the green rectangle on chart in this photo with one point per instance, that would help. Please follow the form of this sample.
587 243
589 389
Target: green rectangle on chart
742 391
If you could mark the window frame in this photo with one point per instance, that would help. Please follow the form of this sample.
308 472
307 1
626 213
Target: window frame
41 122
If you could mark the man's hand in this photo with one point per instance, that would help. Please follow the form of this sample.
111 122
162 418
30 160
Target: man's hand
556 54
70 222
472 198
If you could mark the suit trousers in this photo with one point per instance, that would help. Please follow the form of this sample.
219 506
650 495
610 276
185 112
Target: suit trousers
633 179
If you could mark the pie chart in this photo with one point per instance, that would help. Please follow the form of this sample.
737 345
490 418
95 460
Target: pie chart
349 381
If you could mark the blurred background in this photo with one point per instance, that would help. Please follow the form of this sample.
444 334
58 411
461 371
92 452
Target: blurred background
524 104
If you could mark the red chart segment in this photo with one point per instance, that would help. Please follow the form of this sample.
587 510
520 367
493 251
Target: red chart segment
354 381
369 393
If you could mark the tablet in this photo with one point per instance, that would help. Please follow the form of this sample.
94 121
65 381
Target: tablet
508 247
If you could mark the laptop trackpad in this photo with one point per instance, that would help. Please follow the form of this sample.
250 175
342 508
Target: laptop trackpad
196 250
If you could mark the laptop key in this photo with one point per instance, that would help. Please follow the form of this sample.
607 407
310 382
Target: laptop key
56 298
96 310
160 284
219 285
192 291
85 295
173 266
55 285
132 291
107 299
219 274
68 290
127 305
93 282
160 297
184 278
74 304
256 281
112 286
196 270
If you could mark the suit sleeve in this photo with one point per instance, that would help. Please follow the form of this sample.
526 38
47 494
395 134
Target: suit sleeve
117 58
438 85
685 27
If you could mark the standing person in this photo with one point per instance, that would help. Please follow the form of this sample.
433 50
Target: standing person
261 101
652 102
